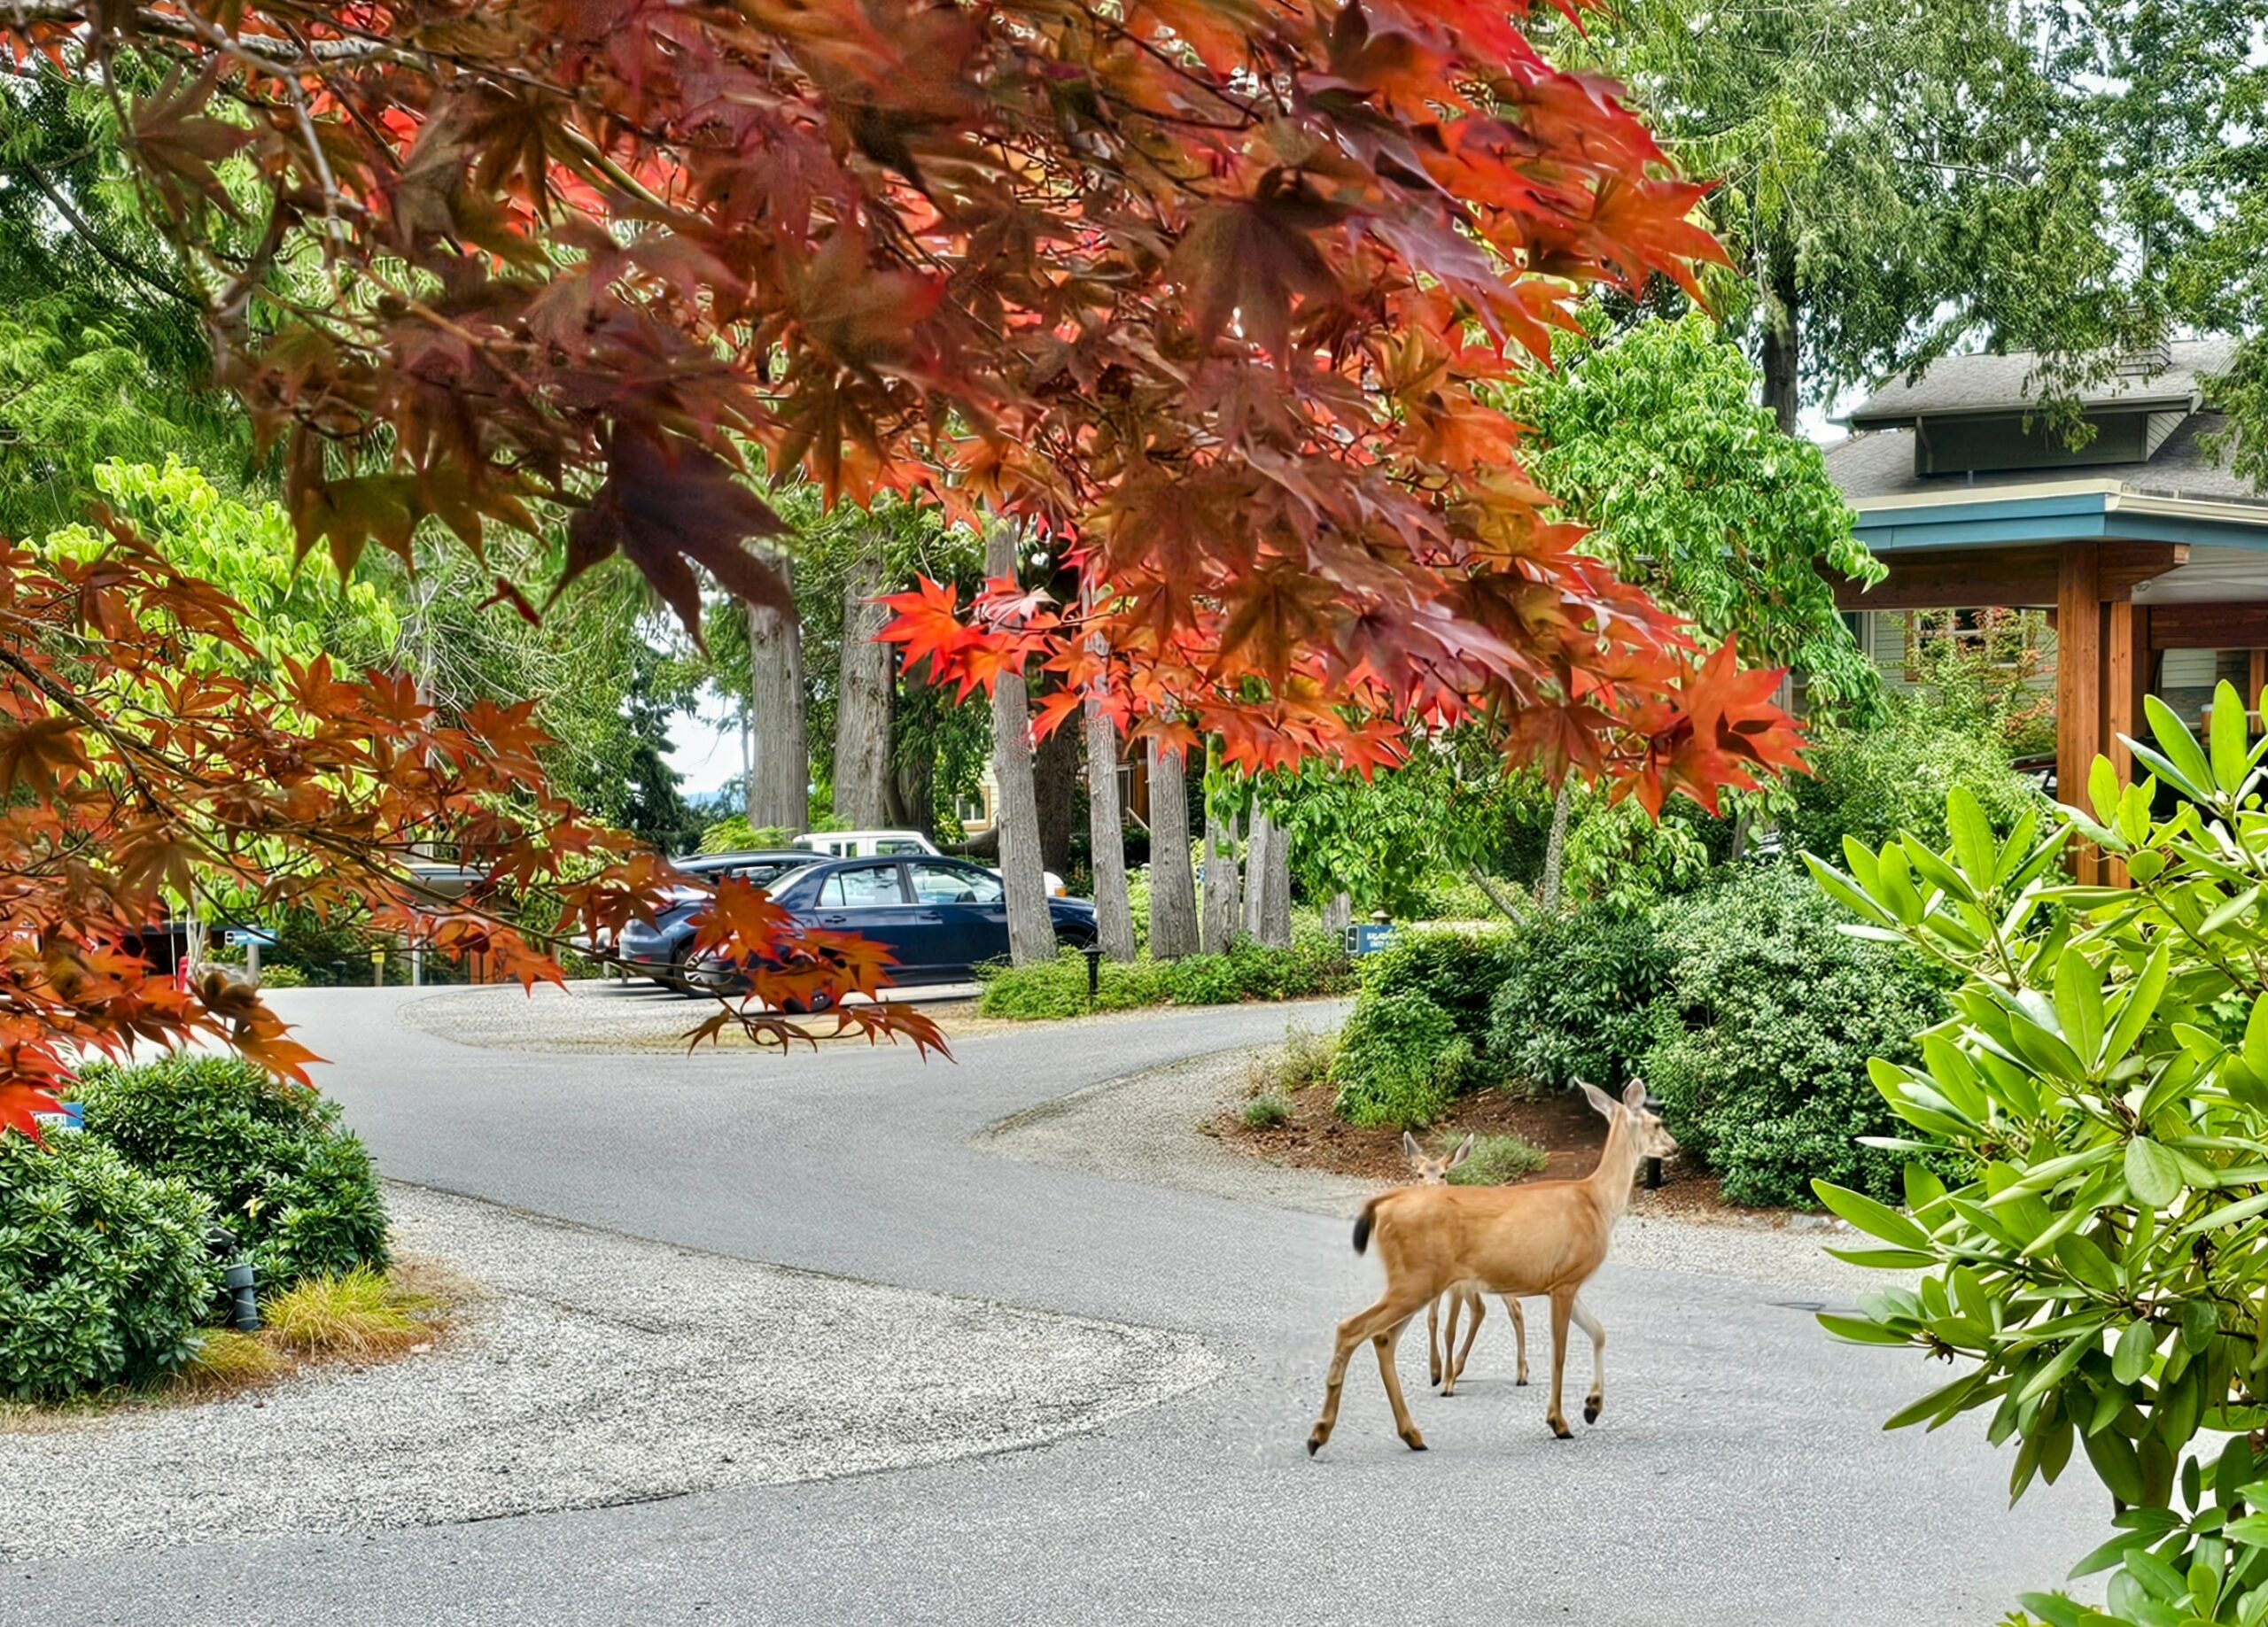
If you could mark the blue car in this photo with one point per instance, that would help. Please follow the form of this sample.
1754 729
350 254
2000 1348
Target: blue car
939 917
662 950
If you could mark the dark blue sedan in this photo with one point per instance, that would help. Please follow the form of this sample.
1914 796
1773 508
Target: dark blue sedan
660 950
939 917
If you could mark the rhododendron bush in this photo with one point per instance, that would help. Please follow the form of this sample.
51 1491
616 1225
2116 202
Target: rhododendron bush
1210 296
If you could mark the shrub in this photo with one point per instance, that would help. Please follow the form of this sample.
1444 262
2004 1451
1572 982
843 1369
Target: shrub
1496 1159
296 1190
1764 1027
1389 1067
1266 1110
1460 971
282 977
1873 784
1056 988
734 834
1573 1003
358 1315
104 1271
1303 1060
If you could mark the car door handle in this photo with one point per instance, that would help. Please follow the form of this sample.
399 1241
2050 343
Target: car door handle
833 920
929 917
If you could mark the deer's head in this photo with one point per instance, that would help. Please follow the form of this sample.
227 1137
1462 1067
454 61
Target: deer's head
1648 1138
1433 1172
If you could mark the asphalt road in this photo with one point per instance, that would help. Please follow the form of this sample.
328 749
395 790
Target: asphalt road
1739 1474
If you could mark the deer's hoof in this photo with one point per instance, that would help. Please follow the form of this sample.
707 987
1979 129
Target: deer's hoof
1559 1428
1521 1380
1592 1409
1416 1441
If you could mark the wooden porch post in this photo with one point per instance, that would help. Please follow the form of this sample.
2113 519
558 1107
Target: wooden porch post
2079 684
2128 663
2259 681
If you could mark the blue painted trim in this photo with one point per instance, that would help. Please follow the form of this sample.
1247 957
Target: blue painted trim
2017 521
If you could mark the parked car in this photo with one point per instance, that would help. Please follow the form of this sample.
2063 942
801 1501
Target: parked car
940 918
660 950
891 844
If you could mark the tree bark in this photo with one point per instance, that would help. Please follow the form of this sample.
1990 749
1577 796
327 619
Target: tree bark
1338 914
1782 353
914 766
1555 847
1031 933
1268 884
1106 836
862 707
1223 897
1173 884
1055 786
778 780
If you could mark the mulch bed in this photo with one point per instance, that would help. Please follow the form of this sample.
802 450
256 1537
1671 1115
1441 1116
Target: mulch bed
1567 1128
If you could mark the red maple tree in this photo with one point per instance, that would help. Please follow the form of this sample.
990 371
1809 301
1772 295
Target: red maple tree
1215 293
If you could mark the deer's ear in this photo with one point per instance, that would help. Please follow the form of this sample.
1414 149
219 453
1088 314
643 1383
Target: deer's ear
1634 1094
1598 1097
1409 1147
1464 1151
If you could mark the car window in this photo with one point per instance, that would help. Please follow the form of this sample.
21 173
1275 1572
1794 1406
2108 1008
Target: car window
899 847
764 874
866 884
951 884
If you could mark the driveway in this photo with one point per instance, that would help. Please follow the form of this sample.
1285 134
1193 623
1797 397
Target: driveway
1739 1474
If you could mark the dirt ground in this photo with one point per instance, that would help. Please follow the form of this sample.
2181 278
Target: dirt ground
1567 1128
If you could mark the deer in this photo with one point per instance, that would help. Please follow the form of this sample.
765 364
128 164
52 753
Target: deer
1442 1369
1544 1239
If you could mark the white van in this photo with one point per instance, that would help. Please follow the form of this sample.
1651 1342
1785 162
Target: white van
891 844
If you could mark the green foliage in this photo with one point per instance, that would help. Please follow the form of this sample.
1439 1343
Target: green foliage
103 1274
1266 1110
1304 1059
1389 1068
296 1190
1572 1004
1619 857
1496 1159
1460 971
1313 966
1768 1016
2098 1245
1873 784
734 834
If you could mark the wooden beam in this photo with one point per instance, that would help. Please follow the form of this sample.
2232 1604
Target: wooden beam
2256 679
2209 626
1967 578
2126 679
2078 686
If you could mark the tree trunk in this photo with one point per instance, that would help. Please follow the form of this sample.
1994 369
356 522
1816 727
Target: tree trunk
778 780
1173 885
1055 788
1555 847
1268 884
862 707
1224 899
1782 353
1031 933
1107 835
914 760
1339 915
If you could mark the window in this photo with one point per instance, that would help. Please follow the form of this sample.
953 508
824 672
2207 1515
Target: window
2009 641
868 885
952 884
889 847
761 875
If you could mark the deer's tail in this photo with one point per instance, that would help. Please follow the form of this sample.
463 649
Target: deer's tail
1362 1225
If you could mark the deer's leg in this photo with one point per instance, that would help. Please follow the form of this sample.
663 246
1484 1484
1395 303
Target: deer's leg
1594 1403
1446 1377
1433 1343
1474 1302
1385 1344
1563 1303
1520 1334
1389 1313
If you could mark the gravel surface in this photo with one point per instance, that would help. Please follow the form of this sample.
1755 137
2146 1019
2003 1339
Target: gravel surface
595 1369
593 1014
1150 1127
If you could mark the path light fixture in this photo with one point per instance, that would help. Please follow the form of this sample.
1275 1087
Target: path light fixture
239 1276
1093 952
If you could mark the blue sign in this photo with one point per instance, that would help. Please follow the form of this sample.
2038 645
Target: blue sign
73 1118
1368 938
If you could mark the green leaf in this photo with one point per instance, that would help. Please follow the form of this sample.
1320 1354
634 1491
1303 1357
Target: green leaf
1972 837
1875 1220
2055 1371
2152 1173
2130 1359
2116 1464
2199 1322
2139 1005
2181 761
2227 1214
2087 1262
1857 1330
2232 747
2078 1006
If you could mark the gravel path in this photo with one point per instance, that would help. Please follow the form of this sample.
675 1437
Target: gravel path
598 1014
596 1369
1149 1129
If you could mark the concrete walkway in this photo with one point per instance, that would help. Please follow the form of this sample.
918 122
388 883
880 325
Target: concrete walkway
1739 1476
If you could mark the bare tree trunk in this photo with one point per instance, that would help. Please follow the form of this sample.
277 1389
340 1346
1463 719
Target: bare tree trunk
1055 787
1032 931
862 707
1338 914
1495 895
913 772
1783 352
1223 898
1268 884
779 782
1107 835
1173 885
1555 847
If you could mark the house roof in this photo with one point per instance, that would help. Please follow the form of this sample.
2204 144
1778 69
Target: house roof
1877 465
1976 385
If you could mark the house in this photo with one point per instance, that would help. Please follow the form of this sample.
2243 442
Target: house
2145 554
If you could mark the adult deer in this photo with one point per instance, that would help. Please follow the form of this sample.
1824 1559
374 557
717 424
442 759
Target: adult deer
1546 1238
1441 1368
